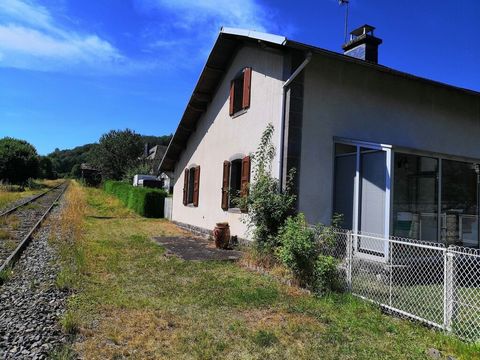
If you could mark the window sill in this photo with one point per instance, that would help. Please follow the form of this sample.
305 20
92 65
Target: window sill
234 210
239 113
190 205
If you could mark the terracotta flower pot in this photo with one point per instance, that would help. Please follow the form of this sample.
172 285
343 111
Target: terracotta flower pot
221 234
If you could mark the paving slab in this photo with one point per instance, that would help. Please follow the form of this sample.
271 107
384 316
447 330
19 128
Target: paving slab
192 248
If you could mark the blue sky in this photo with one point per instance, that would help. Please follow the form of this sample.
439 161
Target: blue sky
71 70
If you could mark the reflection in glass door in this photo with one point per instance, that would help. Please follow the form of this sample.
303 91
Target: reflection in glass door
362 192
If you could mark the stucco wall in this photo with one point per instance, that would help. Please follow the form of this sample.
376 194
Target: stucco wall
220 137
352 101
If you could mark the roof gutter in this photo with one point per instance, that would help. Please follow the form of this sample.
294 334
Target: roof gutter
283 114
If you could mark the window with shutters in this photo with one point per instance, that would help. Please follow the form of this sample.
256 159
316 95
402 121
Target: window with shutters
236 177
240 92
191 186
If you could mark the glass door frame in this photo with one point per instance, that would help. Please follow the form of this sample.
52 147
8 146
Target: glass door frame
357 185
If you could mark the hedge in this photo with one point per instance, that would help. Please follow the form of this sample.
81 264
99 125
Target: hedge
144 201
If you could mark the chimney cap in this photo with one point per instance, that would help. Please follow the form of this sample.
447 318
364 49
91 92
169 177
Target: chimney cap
364 29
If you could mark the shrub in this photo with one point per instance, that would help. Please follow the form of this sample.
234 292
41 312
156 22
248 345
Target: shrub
324 277
33 185
268 205
144 201
307 251
298 249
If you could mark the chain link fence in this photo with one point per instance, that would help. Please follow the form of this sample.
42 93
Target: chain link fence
429 282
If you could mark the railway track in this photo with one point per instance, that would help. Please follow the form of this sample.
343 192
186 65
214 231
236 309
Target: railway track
18 224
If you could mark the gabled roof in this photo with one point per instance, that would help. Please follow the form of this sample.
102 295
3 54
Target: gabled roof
225 47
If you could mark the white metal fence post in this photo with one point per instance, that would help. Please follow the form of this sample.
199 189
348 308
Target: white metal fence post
448 290
390 267
349 260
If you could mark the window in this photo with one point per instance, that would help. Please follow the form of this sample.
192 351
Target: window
240 92
415 197
236 176
345 170
235 181
191 185
458 212
419 182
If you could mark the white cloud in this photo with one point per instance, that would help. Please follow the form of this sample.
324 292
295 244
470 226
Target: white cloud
192 26
31 39
214 13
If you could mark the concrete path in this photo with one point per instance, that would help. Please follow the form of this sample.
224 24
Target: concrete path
196 249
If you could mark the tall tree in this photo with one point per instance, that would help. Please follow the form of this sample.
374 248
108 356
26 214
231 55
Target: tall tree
18 160
117 151
46 168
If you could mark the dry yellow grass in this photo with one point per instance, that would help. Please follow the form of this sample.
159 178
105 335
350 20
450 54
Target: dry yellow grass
8 197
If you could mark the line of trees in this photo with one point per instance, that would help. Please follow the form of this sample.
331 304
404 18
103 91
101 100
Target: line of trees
117 155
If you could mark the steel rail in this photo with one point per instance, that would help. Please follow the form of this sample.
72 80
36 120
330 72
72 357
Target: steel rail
15 255
9 211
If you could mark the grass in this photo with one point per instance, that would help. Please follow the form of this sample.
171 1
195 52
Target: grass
425 301
5 275
4 234
132 301
8 197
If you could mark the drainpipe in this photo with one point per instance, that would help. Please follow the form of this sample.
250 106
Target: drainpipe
286 84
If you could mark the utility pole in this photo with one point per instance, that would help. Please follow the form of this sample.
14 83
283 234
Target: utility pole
345 3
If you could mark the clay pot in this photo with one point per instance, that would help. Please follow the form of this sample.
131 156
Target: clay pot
221 234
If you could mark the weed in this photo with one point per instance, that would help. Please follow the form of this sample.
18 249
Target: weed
5 275
65 279
63 352
4 234
70 323
32 206
13 222
264 338
10 245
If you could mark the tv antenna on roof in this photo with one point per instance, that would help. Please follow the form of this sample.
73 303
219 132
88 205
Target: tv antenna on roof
342 3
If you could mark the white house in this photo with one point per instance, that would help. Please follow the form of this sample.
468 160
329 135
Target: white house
394 153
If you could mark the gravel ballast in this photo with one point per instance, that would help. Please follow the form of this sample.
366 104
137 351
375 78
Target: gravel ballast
30 303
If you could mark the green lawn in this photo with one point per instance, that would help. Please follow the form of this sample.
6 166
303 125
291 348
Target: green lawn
133 301
425 301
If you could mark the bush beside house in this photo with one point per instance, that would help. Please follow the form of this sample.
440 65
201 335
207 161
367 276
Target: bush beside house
279 233
144 201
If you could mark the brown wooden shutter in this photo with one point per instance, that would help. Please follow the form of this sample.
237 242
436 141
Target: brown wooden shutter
196 186
232 95
247 80
185 187
245 176
225 184
245 179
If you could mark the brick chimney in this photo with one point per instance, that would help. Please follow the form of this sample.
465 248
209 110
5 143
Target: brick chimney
363 44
